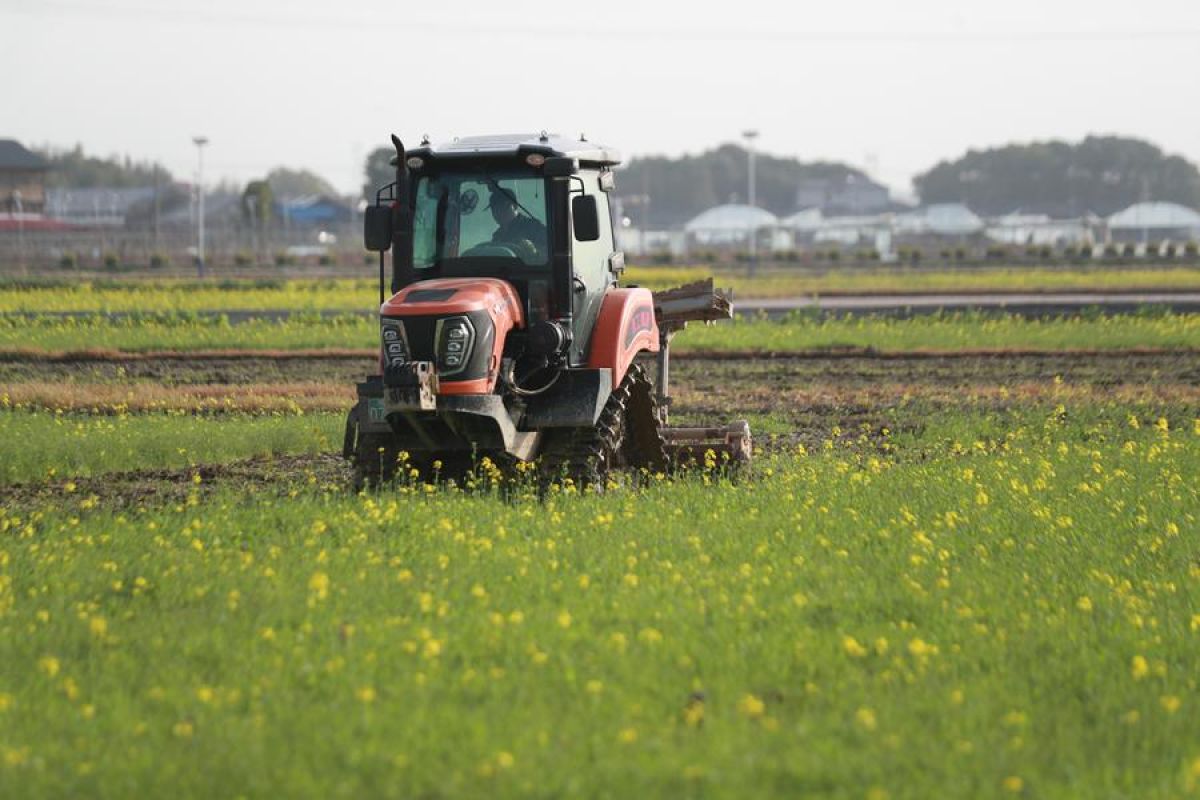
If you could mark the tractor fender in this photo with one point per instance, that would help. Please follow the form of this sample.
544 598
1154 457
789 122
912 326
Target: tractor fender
625 327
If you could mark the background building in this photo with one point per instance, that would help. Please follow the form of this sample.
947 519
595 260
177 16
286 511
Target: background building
847 194
22 179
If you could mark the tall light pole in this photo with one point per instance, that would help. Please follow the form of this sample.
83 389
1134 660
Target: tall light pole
200 141
20 209
750 136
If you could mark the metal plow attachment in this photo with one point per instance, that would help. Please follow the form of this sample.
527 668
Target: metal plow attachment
729 446
708 447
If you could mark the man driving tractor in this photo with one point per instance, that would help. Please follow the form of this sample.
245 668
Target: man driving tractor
517 230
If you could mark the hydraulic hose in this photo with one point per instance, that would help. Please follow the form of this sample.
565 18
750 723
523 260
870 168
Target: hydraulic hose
509 377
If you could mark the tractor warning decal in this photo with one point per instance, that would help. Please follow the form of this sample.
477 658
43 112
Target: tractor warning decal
642 319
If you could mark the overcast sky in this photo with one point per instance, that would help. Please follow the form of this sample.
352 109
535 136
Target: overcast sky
890 86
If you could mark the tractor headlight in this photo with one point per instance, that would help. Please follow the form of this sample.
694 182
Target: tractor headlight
395 343
455 340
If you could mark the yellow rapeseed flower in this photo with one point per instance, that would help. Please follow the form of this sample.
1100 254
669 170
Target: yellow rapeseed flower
627 736
1139 667
866 719
1013 784
852 647
921 648
365 694
751 706
318 585
1170 703
49 665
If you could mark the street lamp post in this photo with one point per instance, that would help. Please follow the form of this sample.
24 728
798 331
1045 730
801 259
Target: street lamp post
200 141
750 136
20 211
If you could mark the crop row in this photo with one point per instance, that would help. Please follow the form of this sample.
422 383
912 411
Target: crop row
798 332
345 294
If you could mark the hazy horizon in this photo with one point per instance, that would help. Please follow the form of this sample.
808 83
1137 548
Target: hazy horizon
891 90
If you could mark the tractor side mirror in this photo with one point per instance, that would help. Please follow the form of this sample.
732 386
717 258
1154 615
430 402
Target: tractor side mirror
585 218
377 228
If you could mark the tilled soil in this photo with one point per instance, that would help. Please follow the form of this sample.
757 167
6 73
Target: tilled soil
276 475
799 400
1103 368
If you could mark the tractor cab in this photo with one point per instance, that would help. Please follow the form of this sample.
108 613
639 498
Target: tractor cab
530 210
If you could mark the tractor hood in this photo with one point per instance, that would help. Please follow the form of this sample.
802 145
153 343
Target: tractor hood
458 324
446 296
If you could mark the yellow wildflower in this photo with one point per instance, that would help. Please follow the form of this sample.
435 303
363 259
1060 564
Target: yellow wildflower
852 647
866 718
751 706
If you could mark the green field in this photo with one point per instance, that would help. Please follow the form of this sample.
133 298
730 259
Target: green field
963 565
360 293
1026 624
798 332
73 445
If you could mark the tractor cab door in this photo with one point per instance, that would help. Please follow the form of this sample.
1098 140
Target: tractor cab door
591 263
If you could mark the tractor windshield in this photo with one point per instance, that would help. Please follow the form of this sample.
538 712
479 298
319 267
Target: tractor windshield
480 215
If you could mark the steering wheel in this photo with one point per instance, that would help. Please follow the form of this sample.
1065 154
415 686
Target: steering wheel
493 249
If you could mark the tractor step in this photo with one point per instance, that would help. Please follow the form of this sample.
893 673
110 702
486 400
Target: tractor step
730 444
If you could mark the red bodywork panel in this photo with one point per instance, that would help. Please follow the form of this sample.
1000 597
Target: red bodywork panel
625 327
498 298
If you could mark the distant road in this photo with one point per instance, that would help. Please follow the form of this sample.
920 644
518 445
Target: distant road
1031 304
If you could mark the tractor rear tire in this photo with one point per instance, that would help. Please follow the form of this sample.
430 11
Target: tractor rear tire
625 435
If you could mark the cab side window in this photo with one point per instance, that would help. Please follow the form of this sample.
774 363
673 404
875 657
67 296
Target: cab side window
591 258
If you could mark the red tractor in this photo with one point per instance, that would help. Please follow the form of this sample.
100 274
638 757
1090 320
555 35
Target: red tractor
506 333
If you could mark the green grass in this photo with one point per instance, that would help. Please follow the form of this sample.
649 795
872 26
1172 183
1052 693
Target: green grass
948 331
351 294
40 444
799 332
187 331
1001 606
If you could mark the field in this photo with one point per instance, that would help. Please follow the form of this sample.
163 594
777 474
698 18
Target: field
964 565
69 294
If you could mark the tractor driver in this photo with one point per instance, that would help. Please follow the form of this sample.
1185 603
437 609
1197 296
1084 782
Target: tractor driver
524 234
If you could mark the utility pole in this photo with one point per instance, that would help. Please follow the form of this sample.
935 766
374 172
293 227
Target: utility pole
750 136
20 211
154 246
200 141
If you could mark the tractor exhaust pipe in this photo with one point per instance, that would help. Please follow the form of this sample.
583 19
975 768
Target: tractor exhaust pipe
402 256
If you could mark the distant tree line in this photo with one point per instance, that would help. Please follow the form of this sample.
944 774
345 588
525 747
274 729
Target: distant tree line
1101 175
74 169
681 188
